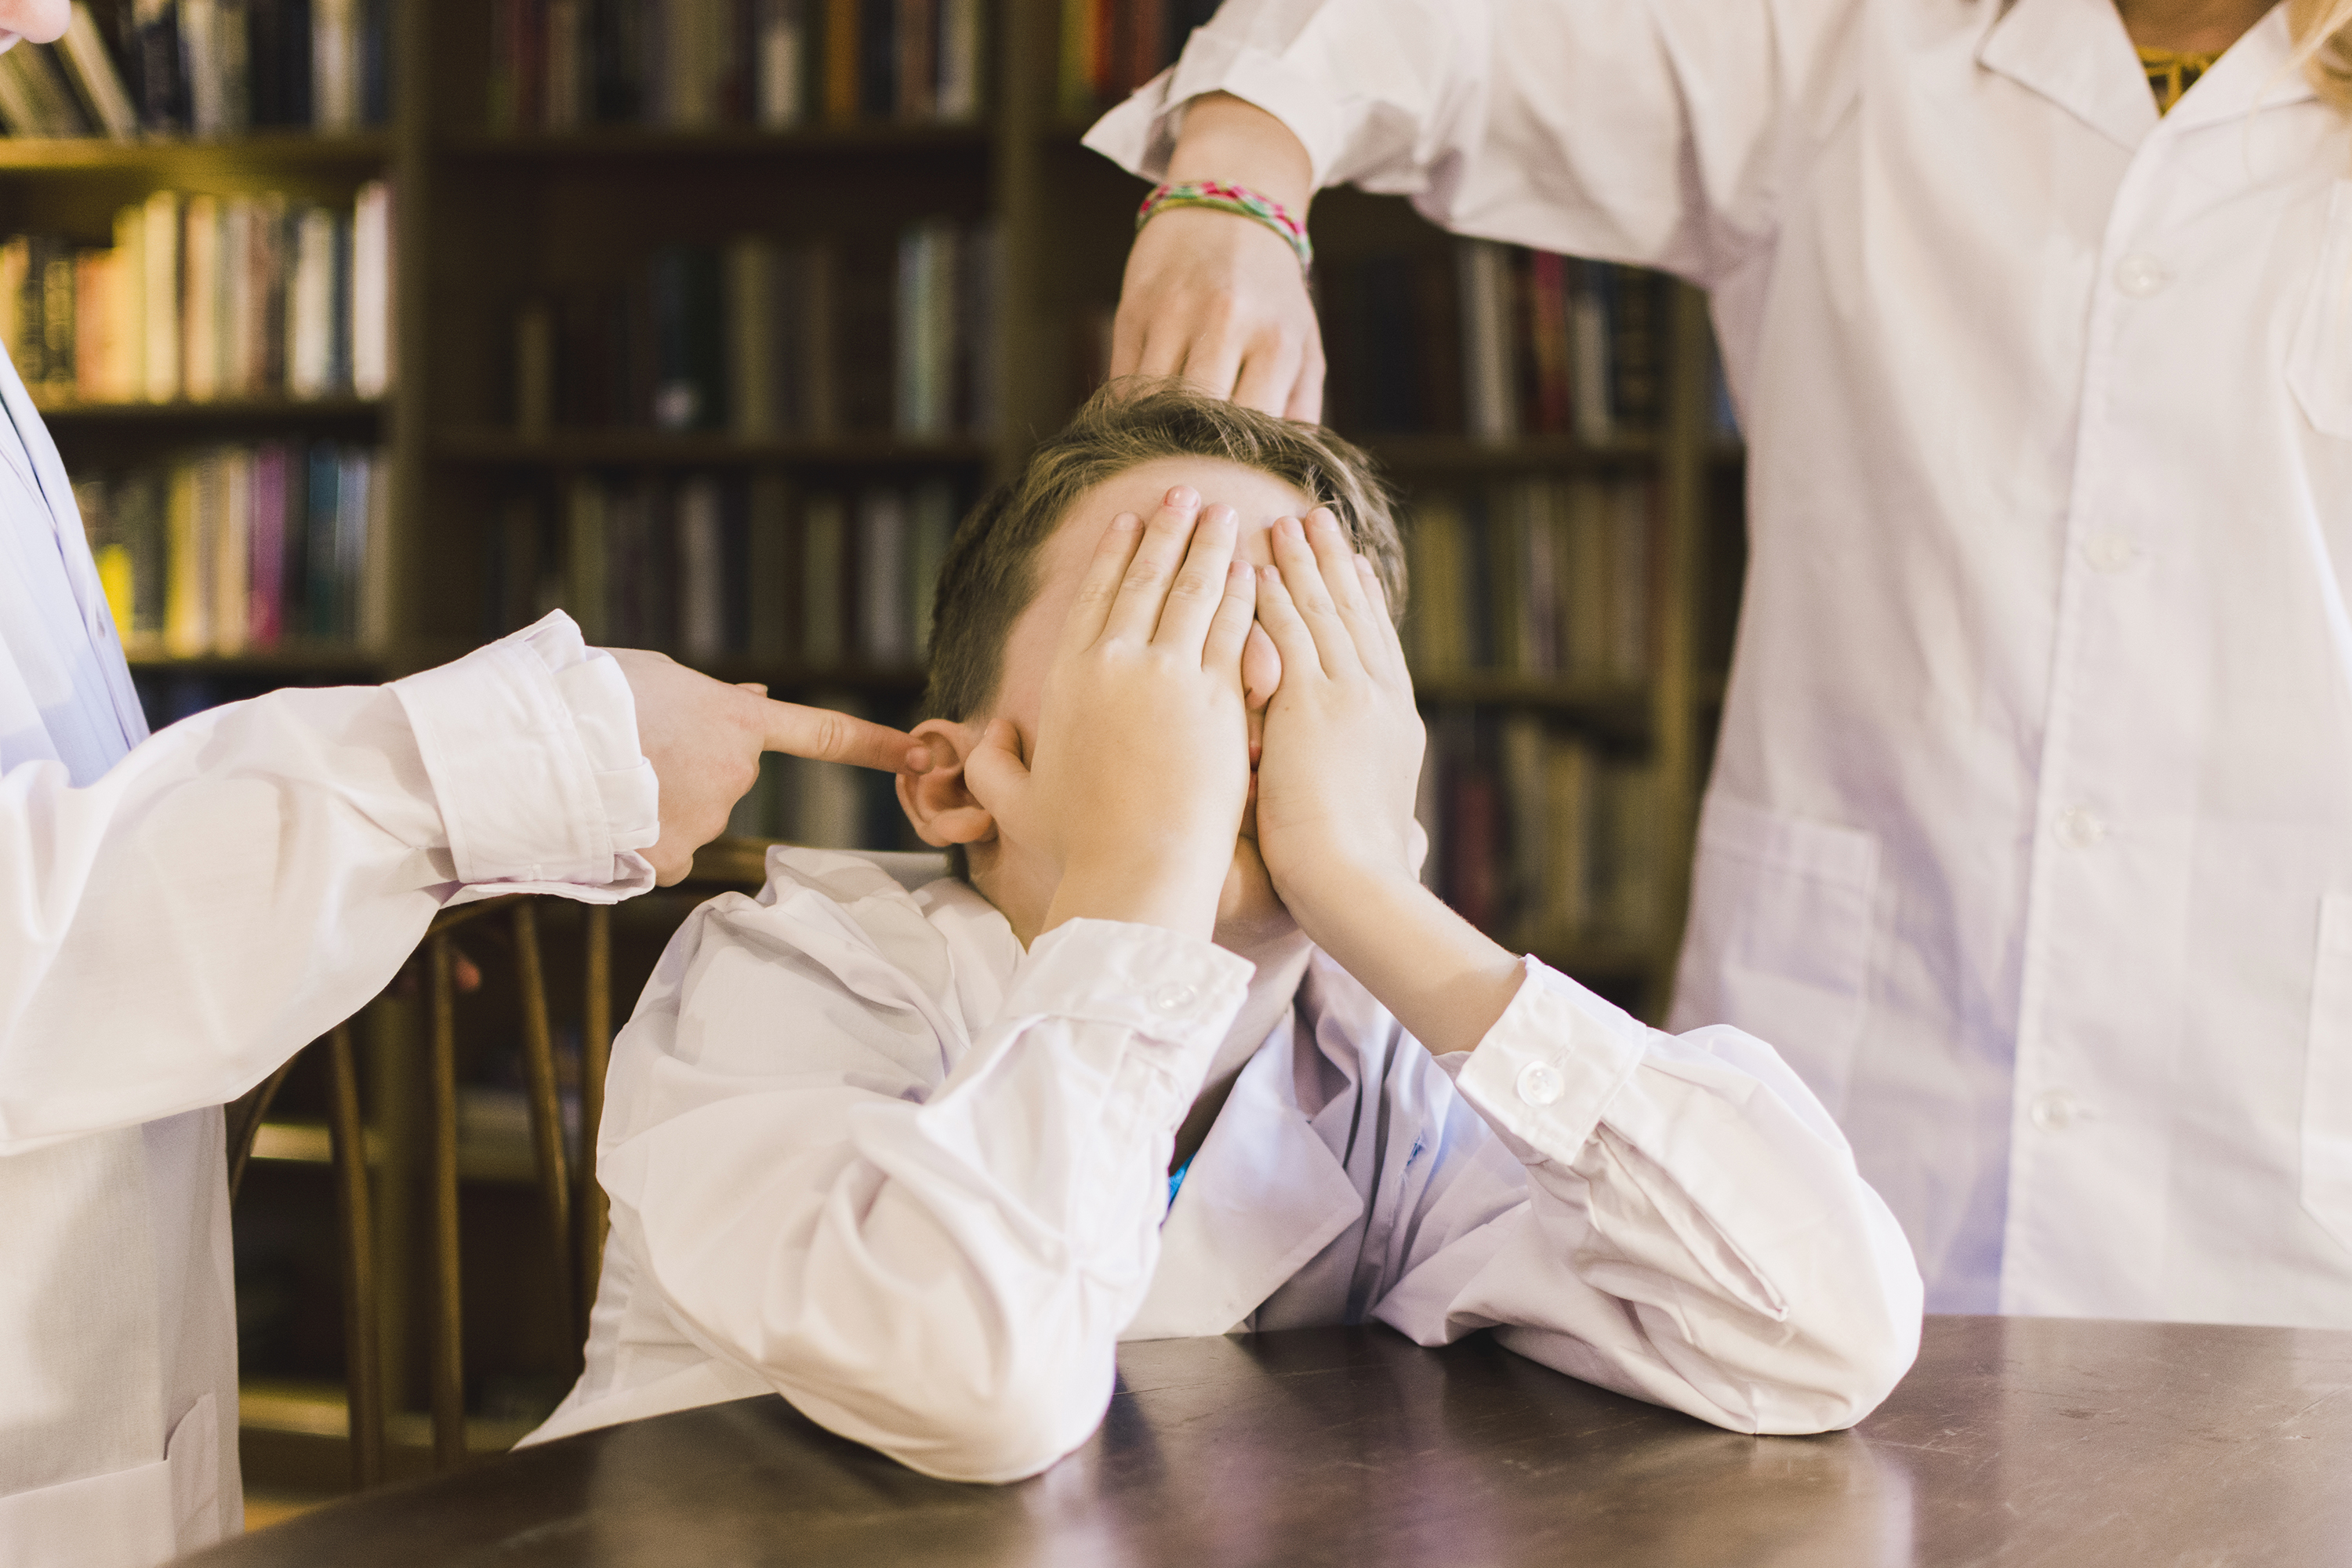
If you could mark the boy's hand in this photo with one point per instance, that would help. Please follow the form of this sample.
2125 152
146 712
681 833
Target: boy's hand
1141 767
1342 745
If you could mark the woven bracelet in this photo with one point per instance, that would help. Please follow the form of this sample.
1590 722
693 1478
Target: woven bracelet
1239 200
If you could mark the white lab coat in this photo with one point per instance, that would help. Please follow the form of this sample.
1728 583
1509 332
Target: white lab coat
866 1151
2029 837
177 919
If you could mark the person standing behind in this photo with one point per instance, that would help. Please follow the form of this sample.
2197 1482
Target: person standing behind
180 915
2030 835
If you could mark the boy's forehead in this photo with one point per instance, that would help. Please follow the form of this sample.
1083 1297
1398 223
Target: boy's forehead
1259 497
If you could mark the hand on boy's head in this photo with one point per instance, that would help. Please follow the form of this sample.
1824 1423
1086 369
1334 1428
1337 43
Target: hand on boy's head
704 737
1341 755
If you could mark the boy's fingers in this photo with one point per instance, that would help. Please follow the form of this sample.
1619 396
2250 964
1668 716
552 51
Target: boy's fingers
833 736
1278 612
1335 557
1199 590
994 770
1229 629
1099 589
1384 635
1135 613
1302 575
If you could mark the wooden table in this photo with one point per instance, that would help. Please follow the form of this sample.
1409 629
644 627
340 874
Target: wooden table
2013 1441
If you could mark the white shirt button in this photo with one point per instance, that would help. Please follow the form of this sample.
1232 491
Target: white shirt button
2079 827
1540 1083
1168 999
2056 1111
2141 276
2109 552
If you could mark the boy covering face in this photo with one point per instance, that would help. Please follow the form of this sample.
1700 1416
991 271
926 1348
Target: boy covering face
1189 1048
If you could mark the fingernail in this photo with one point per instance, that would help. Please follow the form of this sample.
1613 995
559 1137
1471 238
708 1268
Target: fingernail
1271 574
1290 528
1125 519
1184 498
1364 564
1219 515
1323 517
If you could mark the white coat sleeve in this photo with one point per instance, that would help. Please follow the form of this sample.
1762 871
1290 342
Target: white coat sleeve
931 1254
1661 132
1692 1233
241 882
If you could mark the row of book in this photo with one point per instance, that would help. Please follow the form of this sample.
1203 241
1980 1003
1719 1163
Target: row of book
204 297
718 567
206 68
1494 342
243 547
1543 576
1110 47
1538 838
767 339
694 64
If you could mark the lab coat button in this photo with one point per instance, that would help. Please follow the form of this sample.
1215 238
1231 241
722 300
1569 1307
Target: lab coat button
2055 1111
2141 276
1540 1083
1168 999
2079 828
2109 552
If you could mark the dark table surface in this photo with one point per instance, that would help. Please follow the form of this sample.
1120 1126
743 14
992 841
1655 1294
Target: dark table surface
2013 1441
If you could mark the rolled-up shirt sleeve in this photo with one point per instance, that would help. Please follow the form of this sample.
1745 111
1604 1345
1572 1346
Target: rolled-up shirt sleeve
1693 1231
925 1231
249 878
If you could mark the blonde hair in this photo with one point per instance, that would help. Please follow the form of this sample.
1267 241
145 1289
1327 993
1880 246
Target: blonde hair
2323 47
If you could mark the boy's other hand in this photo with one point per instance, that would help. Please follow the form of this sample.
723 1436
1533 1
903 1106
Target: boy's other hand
704 739
1134 789
1341 753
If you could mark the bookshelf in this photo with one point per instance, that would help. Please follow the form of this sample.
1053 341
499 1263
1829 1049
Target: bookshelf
497 213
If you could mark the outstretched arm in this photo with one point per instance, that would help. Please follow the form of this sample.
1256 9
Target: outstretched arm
246 879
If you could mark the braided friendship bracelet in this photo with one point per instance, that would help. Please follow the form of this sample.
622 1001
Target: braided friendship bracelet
1239 200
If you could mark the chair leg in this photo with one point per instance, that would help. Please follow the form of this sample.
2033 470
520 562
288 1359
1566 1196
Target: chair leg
244 1117
449 1370
546 1108
596 1057
363 1352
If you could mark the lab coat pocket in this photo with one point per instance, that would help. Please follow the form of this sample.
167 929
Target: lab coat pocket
2327 1076
2319 364
1779 940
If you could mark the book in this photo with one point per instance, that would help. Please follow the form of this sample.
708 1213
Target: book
370 327
780 71
94 75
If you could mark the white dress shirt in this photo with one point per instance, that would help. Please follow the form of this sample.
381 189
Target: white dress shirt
180 913
866 1151
2029 841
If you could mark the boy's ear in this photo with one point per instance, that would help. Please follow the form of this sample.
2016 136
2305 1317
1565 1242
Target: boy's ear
937 800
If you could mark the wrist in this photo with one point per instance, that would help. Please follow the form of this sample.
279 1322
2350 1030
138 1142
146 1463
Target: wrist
1168 888
1229 139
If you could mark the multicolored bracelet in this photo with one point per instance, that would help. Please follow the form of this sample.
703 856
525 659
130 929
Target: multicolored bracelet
1239 200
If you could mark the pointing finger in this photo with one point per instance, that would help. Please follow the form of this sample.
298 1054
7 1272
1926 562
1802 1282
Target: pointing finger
831 737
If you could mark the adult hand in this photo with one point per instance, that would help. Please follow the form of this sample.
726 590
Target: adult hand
1140 765
1342 751
704 739
1217 298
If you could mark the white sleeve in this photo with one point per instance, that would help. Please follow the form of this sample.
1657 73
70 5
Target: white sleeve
930 1253
242 881
1693 1231
1661 132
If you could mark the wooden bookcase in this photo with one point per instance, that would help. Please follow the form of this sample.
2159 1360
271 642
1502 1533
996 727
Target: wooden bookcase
482 220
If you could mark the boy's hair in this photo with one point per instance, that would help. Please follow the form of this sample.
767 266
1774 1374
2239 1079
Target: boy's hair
989 575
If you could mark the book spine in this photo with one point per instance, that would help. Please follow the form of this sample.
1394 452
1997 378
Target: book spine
751 324
841 61
781 41
372 290
959 101
96 74
334 59
266 597
702 620
186 633
161 240
310 304
585 591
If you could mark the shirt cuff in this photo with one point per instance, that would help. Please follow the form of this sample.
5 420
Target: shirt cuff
1139 135
531 745
1549 1067
1166 987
